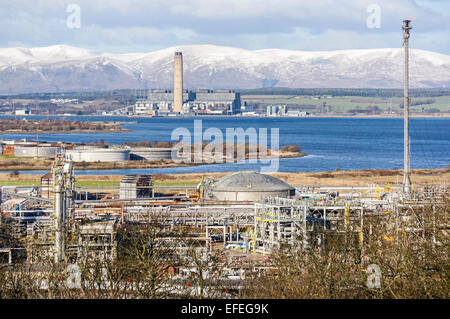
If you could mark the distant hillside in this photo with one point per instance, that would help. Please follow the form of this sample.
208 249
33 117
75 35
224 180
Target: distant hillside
63 68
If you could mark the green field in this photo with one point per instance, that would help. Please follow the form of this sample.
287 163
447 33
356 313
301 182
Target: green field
97 183
36 182
345 103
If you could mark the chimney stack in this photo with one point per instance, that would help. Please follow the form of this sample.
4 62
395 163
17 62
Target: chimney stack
178 82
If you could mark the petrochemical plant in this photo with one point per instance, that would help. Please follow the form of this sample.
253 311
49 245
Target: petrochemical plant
245 212
246 215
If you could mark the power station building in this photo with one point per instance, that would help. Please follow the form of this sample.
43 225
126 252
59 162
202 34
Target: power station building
197 102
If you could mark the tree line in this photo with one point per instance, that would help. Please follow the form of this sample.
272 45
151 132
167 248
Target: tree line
54 125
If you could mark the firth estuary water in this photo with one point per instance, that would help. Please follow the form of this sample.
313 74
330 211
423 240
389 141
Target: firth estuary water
330 143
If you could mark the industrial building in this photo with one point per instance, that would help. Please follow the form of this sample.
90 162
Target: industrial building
136 186
283 110
276 110
26 148
180 101
159 102
219 102
22 112
195 102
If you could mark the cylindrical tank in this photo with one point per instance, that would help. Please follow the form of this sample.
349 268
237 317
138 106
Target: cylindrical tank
89 147
33 151
250 186
151 154
98 155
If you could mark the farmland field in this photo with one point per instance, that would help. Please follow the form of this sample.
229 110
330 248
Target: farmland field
343 104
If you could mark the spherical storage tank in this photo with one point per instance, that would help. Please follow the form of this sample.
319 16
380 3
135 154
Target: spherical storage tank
250 186
151 154
98 155
32 151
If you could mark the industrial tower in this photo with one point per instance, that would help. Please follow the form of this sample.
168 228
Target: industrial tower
406 155
178 82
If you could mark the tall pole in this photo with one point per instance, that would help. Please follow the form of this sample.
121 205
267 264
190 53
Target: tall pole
59 220
406 155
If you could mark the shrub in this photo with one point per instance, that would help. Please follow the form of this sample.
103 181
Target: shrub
291 148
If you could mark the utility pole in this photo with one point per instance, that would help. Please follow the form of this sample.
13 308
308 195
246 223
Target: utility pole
406 156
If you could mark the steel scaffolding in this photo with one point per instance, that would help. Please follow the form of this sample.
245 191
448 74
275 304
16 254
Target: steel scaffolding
287 221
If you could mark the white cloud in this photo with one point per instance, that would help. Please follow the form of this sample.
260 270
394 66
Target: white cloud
142 25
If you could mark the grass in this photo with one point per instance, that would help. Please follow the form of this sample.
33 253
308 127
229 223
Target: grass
175 183
35 182
17 181
345 103
97 183
339 178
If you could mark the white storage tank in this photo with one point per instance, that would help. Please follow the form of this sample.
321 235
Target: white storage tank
33 151
250 186
152 154
98 155
89 147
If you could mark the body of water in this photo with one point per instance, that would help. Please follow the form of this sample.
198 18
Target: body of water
344 143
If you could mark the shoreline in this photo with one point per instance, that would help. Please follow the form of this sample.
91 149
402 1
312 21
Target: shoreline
42 163
67 132
381 116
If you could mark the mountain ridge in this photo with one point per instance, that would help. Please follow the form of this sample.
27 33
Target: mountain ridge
60 68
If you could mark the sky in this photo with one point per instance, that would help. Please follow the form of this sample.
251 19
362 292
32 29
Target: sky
119 26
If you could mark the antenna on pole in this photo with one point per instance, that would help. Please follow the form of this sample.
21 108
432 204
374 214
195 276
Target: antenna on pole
406 155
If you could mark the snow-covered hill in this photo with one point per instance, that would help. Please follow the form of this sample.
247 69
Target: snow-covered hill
65 68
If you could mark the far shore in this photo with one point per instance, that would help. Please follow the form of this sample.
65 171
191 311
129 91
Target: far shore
13 163
337 115
65 132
